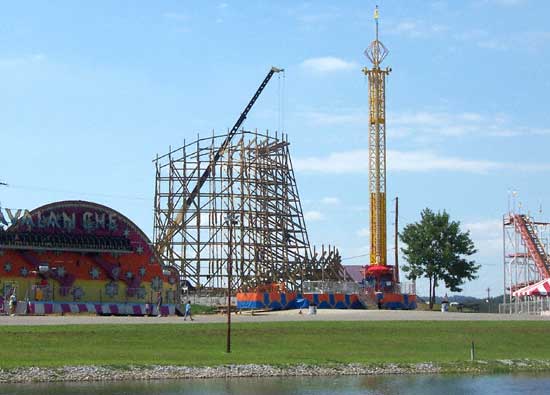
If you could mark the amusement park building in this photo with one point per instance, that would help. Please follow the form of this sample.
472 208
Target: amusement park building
77 256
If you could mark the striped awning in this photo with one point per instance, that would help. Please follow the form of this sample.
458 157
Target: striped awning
541 288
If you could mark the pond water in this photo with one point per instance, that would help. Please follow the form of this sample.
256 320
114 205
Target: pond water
375 385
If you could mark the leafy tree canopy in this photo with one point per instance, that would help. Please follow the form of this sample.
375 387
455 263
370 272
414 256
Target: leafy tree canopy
436 249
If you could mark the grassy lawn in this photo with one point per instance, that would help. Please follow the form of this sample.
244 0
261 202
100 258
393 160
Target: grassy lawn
271 343
201 309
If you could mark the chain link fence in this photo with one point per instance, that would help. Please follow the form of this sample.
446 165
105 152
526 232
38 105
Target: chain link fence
344 287
538 306
350 287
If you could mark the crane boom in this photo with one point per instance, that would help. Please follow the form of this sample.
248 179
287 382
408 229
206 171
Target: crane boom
161 245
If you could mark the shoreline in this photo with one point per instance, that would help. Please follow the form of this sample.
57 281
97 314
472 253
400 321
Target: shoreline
170 372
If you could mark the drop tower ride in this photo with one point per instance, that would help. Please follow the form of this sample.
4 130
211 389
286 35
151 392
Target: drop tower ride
382 285
376 53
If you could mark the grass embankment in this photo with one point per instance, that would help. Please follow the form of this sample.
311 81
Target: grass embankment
201 309
315 343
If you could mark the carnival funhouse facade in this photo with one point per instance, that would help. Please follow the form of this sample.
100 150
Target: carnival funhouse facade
77 257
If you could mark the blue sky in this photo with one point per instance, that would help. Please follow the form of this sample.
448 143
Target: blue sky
91 91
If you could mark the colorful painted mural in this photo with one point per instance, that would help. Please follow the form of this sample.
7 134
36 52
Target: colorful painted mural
80 252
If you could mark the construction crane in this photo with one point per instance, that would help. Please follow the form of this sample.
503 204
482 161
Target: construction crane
3 184
376 53
163 243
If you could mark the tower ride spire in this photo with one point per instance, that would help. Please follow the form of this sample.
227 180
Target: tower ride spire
376 53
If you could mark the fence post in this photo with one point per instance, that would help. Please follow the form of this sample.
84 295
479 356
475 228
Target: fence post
473 351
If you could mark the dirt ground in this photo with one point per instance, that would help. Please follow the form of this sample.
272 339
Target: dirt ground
288 315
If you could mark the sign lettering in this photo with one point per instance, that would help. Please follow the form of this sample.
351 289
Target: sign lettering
66 221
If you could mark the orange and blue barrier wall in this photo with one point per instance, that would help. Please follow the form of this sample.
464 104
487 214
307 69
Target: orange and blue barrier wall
293 300
266 300
397 301
334 301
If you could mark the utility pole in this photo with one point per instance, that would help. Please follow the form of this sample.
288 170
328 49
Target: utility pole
229 272
489 298
230 220
396 235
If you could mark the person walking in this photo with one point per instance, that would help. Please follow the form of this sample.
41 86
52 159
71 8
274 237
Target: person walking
188 311
159 304
13 303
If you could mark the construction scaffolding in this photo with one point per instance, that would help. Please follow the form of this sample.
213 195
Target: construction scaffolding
525 259
248 209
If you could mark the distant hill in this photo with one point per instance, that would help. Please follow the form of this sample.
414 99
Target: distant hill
480 303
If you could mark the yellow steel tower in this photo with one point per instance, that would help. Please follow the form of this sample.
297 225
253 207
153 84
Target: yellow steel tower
376 53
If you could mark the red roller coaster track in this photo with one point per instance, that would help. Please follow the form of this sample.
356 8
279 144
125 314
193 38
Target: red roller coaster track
526 229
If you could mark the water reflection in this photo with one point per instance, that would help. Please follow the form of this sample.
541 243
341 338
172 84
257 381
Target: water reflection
364 385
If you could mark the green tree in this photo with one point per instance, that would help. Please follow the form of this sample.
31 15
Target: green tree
436 249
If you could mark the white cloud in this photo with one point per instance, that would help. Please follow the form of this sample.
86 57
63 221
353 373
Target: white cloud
424 161
442 123
328 64
363 232
493 44
532 40
484 39
480 37
487 238
416 29
427 124
526 40
316 18
336 162
353 162
349 117
330 201
313 216
406 26
313 16
471 34
22 60
223 5
490 227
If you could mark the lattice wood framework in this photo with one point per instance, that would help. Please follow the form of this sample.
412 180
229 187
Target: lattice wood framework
249 205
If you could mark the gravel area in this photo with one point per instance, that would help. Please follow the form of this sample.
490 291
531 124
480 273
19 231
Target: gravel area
94 373
287 315
135 373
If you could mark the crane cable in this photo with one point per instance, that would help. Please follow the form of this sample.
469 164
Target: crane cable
355 256
281 102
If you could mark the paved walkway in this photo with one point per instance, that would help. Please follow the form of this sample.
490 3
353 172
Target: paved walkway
289 315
